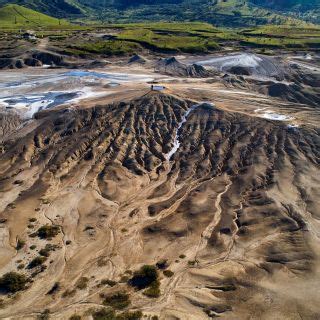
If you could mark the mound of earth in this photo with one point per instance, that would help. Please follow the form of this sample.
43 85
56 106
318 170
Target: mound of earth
171 66
11 63
137 59
226 227
246 64
297 92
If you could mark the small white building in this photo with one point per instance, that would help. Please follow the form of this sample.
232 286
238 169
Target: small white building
156 87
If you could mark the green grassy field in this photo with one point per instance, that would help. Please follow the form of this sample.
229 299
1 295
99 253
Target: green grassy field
17 17
193 38
168 37
282 37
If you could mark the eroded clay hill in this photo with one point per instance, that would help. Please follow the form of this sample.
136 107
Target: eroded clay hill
231 222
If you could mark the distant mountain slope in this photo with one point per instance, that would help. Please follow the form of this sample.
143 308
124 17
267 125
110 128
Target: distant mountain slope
15 16
230 13
304 9
287 4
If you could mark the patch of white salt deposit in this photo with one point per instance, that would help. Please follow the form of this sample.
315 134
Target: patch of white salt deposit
35 90
271 115
243 60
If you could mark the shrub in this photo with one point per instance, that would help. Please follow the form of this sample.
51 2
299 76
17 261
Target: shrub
108 282
32 220
191 262
102 262
54 288
182 256
37 261
12 282
144 277
162 264
119 300
104 314
20 244
45 315
68 293
47 231
75 317
153 291
47 249
82 283
33 247
168 273
129 315
20 266
44 253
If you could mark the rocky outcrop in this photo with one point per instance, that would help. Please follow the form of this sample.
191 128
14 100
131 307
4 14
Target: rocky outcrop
48 58
32 59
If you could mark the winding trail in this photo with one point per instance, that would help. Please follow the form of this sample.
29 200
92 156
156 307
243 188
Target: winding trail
205 236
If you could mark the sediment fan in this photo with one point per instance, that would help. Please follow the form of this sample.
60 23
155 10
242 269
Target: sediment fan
233 214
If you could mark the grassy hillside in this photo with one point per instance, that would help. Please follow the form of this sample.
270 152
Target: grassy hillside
14 16
57 8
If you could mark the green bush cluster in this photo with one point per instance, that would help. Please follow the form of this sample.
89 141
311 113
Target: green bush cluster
37 261
47 231
147 278
12 282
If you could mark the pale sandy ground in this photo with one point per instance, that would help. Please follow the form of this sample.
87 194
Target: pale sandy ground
193 210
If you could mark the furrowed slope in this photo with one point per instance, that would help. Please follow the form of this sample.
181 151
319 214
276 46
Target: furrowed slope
233 213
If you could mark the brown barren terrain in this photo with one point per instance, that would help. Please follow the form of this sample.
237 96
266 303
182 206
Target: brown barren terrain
233 214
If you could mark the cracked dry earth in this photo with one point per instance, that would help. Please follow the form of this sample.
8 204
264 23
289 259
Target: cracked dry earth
235 211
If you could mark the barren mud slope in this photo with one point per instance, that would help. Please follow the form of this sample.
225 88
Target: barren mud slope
233 214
